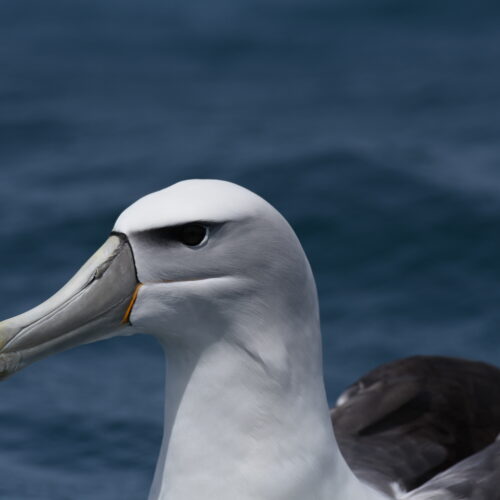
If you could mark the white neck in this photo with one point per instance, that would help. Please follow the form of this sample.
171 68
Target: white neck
243 423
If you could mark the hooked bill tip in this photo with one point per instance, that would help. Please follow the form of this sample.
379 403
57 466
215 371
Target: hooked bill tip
10 362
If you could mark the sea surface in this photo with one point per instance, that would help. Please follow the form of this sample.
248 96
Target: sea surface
372 125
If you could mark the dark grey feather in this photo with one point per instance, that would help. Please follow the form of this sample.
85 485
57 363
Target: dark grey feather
408 421
475 478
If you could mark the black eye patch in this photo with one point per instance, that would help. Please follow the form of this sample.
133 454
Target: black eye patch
191 234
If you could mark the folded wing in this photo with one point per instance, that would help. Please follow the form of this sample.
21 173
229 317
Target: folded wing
418 421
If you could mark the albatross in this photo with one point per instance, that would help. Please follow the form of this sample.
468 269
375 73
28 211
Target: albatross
219 277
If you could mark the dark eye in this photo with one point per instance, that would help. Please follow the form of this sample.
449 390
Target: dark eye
192 234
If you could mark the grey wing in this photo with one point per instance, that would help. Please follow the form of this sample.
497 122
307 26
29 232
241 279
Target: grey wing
406 422
475 478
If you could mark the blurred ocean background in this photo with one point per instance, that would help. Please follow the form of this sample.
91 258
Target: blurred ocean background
372 125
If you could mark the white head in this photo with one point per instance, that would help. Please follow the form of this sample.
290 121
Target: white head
243 269
209 259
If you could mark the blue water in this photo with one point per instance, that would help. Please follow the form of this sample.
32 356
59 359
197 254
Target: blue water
373 125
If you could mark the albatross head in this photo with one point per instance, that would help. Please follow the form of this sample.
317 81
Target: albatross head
197 263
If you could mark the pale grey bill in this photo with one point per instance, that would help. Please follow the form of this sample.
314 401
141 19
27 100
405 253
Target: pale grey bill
93 305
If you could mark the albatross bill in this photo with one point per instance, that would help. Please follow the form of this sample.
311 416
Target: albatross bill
90 307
